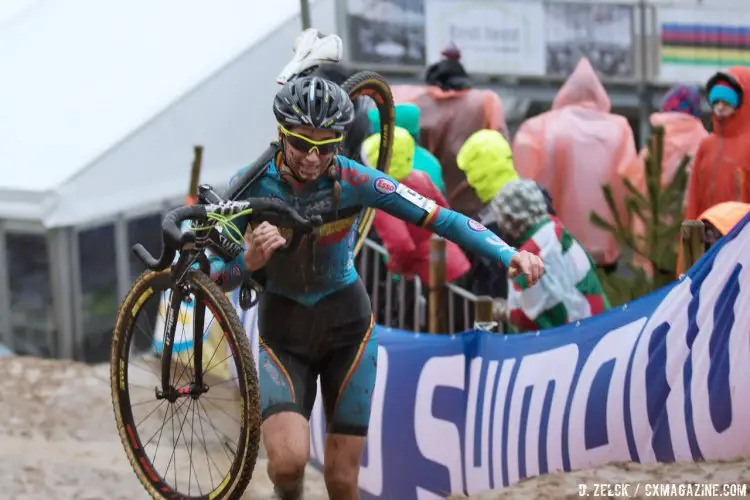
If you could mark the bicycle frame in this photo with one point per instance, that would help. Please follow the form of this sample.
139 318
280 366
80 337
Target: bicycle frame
192 250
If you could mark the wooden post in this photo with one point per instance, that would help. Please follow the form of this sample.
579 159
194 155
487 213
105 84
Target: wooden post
436 322
483 319
692 240
195 175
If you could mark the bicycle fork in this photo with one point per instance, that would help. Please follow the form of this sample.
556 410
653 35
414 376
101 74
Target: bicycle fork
182 292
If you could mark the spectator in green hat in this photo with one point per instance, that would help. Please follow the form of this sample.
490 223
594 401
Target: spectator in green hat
407 117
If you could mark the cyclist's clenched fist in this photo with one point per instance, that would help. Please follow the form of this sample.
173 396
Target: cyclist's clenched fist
528 265
260 244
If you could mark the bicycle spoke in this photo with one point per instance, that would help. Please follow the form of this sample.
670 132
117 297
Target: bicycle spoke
233 379
217 364
171 457
205 448
146 402
192 353
175 442
191 467
158 441
151 413
214 354
216 431
223 411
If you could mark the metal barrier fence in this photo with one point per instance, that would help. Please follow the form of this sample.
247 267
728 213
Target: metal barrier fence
391 309
407 307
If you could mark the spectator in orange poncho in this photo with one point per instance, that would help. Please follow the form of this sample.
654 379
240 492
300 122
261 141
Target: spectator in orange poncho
452 110
573 150
680 115
722 163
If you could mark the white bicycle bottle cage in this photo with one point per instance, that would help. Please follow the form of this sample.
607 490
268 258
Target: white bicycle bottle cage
311 49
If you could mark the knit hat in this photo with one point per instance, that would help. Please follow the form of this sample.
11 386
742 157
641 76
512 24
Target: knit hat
487 159
518 207
407 116
402 155
724 87
684 99
451 52
725 93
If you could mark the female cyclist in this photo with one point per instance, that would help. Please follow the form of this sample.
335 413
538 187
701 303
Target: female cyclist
315 318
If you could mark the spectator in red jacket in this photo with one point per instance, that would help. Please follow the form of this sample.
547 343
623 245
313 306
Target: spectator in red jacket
408 245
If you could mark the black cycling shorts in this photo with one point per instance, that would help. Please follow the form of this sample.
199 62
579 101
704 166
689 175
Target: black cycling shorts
334 340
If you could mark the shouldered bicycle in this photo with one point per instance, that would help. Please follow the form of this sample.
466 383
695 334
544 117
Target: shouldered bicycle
182 387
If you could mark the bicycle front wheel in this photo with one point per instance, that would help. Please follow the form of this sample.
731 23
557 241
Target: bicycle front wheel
186 442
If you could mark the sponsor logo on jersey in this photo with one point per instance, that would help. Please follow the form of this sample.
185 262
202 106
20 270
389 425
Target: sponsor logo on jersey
476 226
384 185
351 176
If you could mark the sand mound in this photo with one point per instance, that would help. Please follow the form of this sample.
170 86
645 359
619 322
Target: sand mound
58 440
636 476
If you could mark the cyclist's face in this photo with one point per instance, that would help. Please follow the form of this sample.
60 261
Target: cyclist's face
309 151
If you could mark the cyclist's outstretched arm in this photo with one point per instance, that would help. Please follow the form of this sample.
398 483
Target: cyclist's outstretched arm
378 190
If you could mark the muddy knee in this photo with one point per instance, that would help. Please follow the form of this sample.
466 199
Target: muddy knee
287 468
288 447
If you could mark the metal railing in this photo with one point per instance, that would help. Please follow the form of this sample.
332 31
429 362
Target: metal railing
389 308
466 301
407 306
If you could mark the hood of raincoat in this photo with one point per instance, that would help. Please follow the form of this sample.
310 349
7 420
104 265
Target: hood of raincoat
725 216
739 122
583 88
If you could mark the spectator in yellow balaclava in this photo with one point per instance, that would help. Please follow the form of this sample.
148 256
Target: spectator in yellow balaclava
487 160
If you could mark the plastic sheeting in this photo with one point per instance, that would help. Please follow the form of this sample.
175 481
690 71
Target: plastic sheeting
573 150
102 103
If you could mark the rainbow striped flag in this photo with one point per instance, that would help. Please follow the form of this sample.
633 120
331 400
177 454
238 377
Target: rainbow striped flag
705 44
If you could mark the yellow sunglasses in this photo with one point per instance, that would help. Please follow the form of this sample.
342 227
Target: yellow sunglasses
307 145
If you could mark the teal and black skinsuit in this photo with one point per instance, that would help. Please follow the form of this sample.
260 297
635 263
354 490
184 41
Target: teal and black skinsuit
315 318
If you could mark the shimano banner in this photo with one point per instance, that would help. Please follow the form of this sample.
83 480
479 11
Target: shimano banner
661 379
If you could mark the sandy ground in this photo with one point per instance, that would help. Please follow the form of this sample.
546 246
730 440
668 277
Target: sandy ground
58 438
58 441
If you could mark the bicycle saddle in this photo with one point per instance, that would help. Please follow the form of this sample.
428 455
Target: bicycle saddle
311 49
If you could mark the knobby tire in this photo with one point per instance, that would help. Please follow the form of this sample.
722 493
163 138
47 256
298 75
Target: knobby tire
241 471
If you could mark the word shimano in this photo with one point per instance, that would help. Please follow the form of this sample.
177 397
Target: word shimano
641 392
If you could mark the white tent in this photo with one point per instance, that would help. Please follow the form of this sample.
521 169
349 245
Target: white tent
102 101
101 104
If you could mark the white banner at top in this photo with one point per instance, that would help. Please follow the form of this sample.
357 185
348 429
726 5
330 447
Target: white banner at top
494 37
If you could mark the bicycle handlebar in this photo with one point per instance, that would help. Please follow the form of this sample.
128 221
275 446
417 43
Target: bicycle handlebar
272 210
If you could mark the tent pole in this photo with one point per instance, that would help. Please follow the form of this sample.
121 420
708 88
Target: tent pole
6 326
58 248
122 261
305 14
79 336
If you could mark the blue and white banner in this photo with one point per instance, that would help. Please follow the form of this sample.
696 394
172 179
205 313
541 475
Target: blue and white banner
664 378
